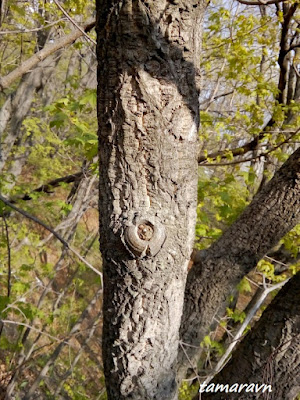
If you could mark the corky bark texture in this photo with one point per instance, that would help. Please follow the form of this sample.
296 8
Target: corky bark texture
148 122
274 211
270 353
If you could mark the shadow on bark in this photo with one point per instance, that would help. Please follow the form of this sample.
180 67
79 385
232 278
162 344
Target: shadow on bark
147 53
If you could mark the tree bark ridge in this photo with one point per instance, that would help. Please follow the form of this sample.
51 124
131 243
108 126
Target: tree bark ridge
274 211
148 131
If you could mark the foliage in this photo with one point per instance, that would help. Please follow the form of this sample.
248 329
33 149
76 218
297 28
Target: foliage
186 391
41 285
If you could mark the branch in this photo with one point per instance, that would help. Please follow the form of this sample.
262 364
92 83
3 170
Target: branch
273 212
242 150
21 31
239 151
260 2
54 233
283 51
34 219
251 314
51 48
6 321
269 352
46 188
8 258
74 22
264 154
293 47
216 97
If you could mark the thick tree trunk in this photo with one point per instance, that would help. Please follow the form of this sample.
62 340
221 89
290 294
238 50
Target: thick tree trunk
148 125
270 353
274 211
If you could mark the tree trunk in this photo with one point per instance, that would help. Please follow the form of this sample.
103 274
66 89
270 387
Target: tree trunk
274 211
270 353
148 126
18 105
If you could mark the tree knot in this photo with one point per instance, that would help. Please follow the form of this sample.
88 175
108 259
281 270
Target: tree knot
144 237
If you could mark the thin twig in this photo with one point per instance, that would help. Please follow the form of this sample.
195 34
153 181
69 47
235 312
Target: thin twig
260 2
74 22
35 219
216 97
254 157
277 261
50 48
8 257
224 359
54 233
189 360
6 321
86 263
21 31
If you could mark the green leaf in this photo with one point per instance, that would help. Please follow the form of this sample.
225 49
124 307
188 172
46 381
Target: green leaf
244 286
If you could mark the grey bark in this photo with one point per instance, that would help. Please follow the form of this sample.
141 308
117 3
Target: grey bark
148 123
270 353
274 211
148 119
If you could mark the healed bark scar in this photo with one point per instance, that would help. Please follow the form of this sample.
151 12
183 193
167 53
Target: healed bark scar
144 237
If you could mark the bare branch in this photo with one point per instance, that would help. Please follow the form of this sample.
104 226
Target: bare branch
260 2
47 187
51 48
6 321
216 97
21 31
54 233
250 158
74 22
239 334
8 257
34 219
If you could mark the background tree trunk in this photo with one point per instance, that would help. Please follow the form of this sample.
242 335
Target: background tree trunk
148 127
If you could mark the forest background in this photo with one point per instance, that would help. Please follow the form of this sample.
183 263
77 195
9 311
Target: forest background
50 264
